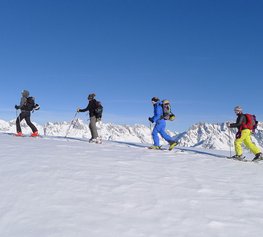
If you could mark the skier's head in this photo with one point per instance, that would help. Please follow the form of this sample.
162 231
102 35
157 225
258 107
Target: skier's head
91 96
238 109
155 100
25 93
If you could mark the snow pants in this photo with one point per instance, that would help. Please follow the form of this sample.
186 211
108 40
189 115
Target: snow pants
25 115
159 128
93 127
245 137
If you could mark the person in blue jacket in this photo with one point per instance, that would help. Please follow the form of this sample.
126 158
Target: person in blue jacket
159 127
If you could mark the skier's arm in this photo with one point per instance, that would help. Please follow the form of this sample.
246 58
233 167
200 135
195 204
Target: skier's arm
84 110
238 123
158 112
22 103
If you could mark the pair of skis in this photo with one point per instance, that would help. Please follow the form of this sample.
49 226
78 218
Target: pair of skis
244 159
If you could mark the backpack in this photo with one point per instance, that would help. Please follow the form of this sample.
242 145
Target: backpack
98 110
167 112
30 104
251 122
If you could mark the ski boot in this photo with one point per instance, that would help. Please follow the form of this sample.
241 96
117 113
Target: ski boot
238 157
19 134
172 145
258 157
35 134
97 140
92 140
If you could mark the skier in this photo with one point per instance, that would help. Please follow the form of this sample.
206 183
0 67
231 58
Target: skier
159 127
26 107
243 135
92 107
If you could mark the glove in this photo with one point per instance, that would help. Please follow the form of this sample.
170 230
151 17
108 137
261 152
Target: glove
151 120
78 109
238 135
17 107
228 124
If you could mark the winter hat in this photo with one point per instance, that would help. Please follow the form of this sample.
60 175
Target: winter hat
238 109
91 96
25 93
155 99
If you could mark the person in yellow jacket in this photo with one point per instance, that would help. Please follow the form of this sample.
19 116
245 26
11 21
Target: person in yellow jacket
243 135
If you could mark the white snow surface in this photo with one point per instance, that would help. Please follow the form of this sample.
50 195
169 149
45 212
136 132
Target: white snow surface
56 187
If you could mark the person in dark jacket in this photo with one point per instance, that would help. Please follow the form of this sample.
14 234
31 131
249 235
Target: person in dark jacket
92 114
25 114
243 135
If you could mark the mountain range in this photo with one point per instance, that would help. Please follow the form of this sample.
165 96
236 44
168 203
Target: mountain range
202 135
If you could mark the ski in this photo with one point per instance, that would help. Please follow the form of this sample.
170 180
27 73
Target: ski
242 160
14 135
159 149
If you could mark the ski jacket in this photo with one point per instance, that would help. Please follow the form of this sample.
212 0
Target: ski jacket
22 101
91 108
158 112
241 119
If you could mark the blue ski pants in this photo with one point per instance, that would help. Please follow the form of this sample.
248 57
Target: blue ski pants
159 128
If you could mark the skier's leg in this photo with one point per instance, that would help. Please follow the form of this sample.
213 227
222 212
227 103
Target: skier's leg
156 140
19 119
165 136
93 127
18 126
249 144
238 143
29 123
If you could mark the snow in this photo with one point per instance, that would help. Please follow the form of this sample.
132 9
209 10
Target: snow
55 187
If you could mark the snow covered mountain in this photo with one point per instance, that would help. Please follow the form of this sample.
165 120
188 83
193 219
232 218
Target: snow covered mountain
201 135
79 129
214 136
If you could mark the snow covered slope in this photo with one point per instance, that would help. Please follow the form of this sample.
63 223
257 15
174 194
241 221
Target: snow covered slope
53 187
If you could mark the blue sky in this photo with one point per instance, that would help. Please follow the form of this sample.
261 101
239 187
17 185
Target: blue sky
205 56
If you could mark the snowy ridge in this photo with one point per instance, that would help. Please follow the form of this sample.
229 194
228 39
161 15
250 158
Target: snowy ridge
79 129
201 135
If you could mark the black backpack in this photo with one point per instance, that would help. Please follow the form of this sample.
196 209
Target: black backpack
98 110
30 104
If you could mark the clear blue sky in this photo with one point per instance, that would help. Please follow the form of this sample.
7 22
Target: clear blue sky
206 56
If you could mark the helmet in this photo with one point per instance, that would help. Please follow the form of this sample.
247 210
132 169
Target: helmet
25 93
91 96
155 99
238 109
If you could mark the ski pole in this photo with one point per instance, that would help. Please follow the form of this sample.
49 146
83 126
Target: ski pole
18 116
151 132
71 124
230 150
